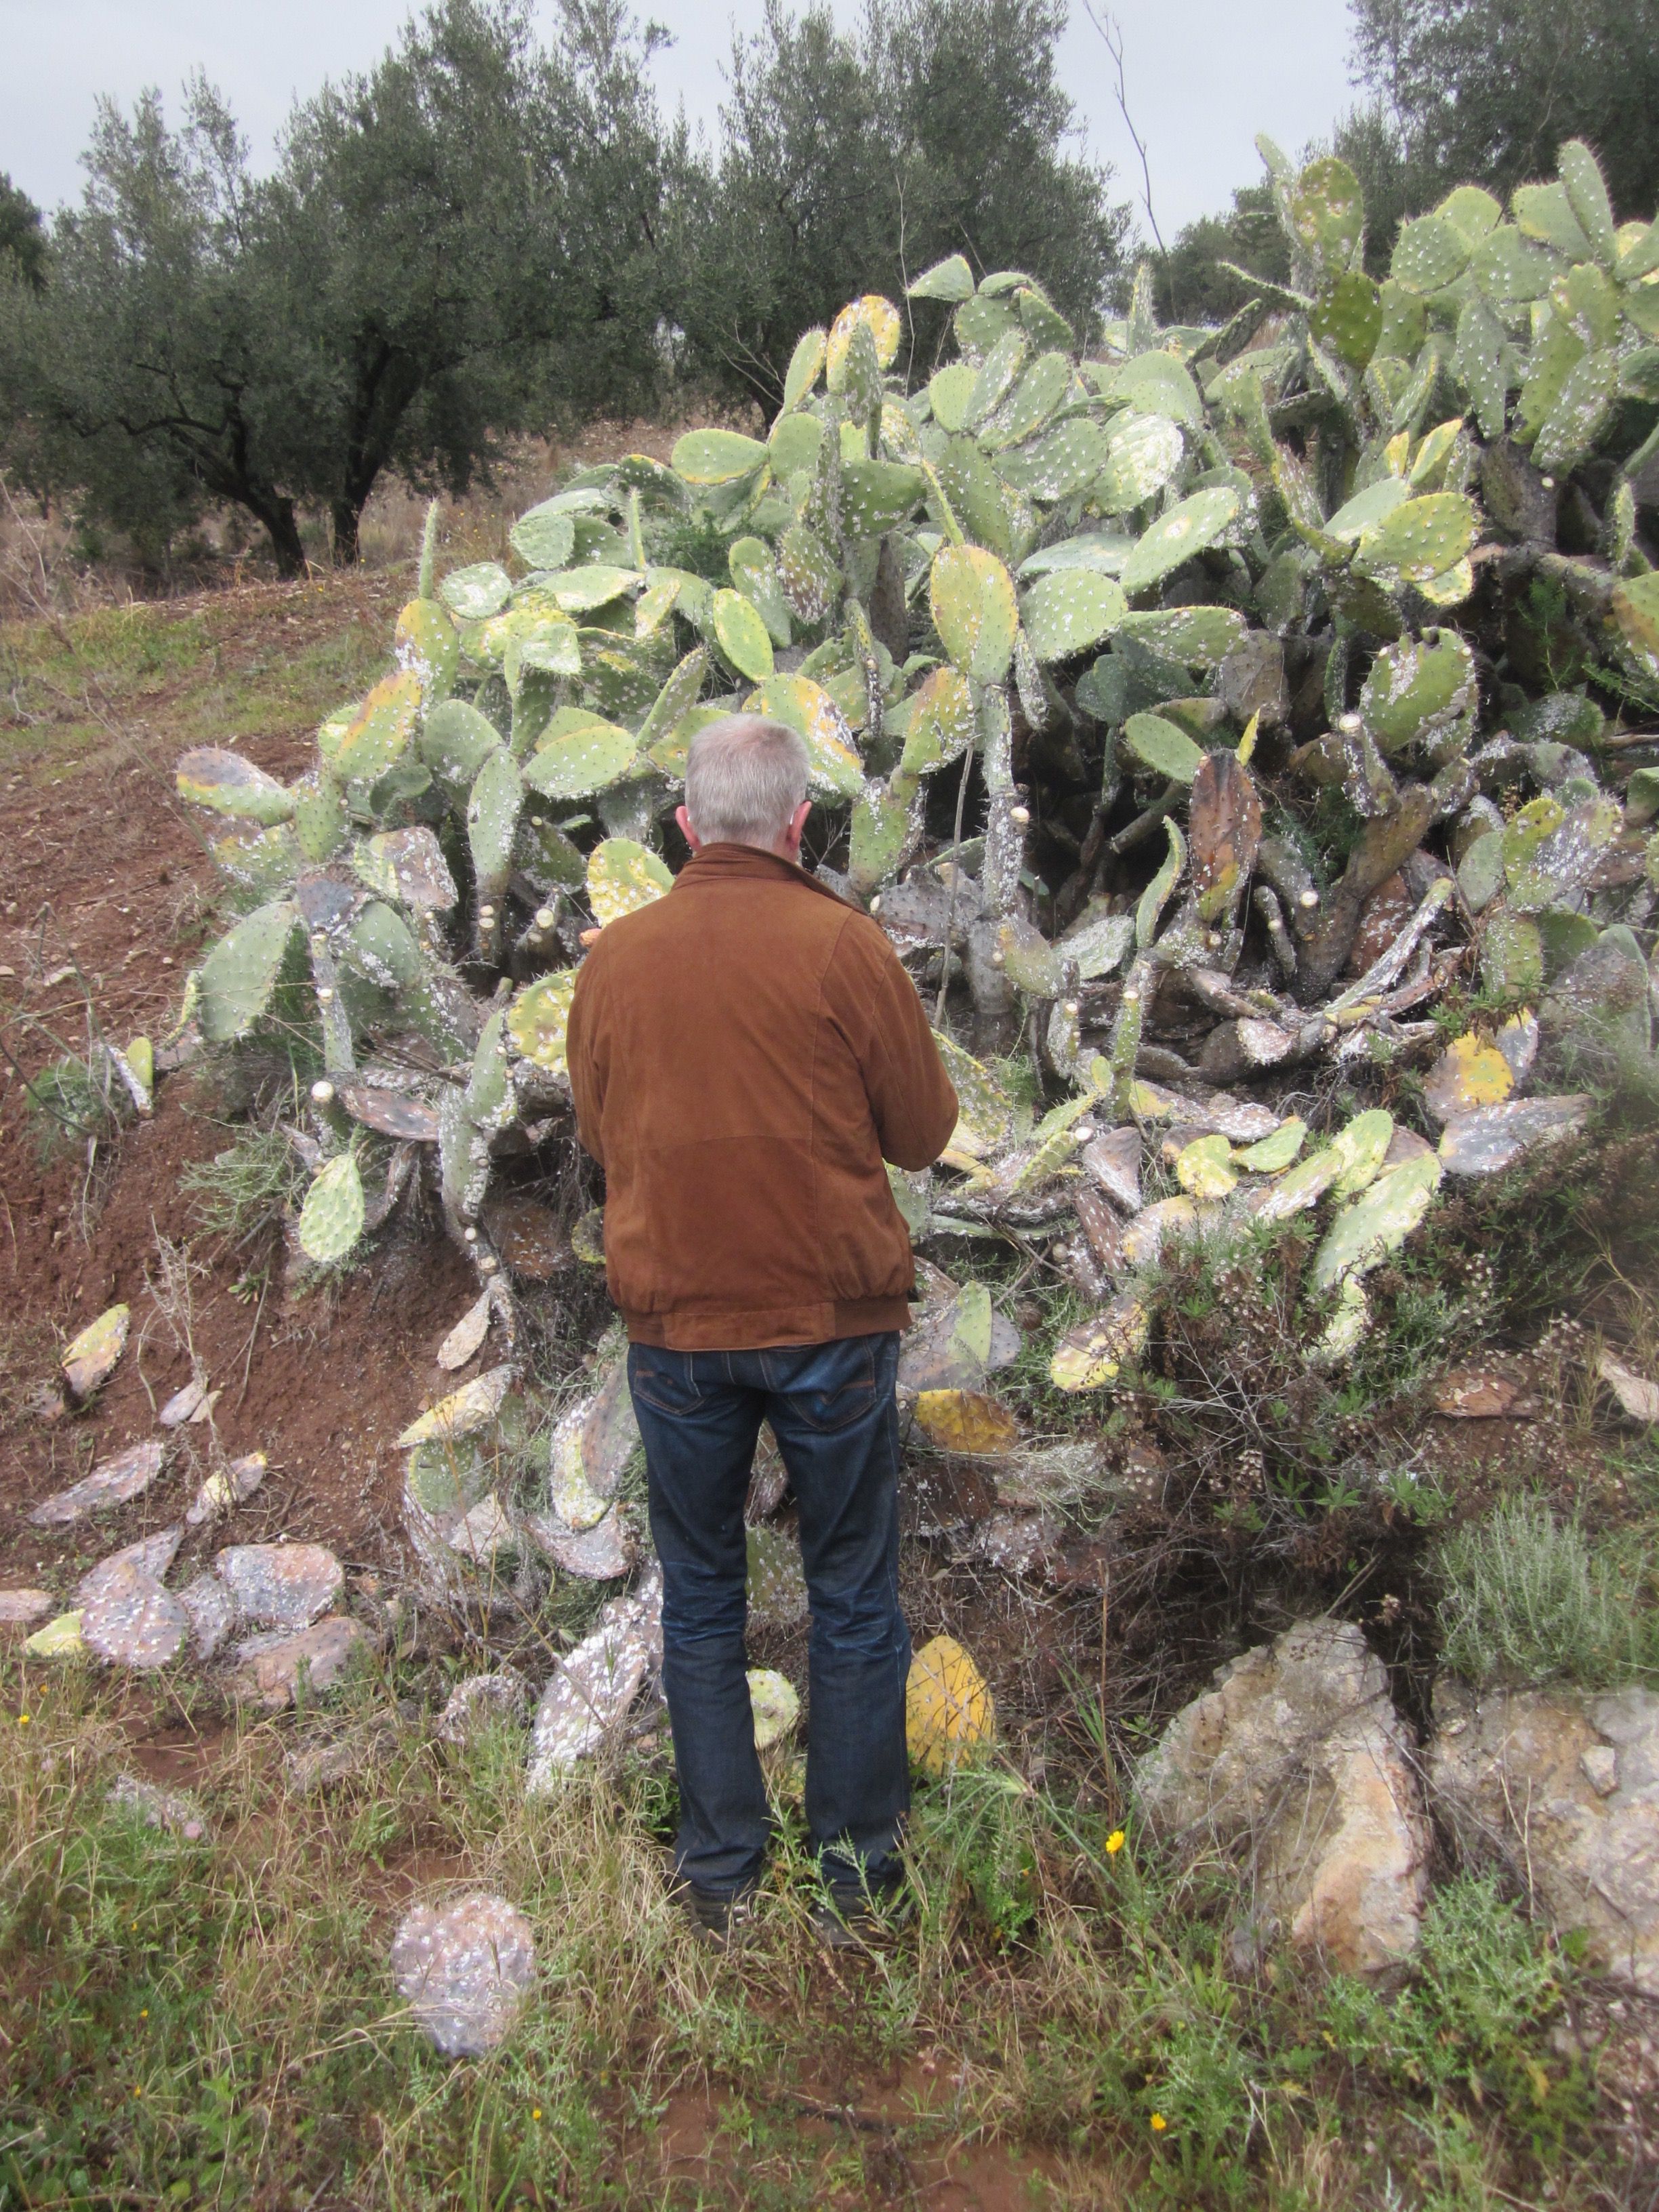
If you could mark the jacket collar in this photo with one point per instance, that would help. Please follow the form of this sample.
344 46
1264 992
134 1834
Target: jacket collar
717 863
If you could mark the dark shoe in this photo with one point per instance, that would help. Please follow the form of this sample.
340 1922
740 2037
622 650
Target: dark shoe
859 1919
723 1918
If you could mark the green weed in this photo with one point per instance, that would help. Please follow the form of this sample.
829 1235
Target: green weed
1525 1597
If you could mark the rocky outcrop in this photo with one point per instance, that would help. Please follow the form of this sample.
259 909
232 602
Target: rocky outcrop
1563 1785
1297 1761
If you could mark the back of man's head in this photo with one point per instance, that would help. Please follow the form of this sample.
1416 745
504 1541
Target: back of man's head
744 782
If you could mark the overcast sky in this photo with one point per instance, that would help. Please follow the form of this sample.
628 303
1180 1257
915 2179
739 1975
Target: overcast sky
1204 75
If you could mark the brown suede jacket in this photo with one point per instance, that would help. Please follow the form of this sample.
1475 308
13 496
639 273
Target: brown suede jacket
744 1053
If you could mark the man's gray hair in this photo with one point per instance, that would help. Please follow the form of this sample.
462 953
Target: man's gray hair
744 780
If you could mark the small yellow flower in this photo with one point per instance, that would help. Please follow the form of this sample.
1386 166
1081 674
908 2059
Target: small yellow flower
23 1720
535 2111
136 2090
1158 2123
143 2012
1115 1842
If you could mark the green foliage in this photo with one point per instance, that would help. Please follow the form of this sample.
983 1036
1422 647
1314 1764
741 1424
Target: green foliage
245 1186
1525 1598
22 240
71 1102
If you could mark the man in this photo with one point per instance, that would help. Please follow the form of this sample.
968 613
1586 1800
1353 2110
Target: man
744 1053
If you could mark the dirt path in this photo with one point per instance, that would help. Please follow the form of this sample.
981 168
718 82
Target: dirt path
104 896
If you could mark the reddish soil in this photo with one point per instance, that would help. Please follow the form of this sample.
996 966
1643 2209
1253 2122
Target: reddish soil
106 883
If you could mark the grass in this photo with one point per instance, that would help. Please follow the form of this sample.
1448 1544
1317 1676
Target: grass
247 1187
1527 1598
210 2023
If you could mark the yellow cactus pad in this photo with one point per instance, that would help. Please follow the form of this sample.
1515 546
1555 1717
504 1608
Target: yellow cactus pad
89 1359
966 1421
949 1718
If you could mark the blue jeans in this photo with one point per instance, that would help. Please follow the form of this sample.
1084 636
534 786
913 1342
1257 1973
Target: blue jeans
832 1410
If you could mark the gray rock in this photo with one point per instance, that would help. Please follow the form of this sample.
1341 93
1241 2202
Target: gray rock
483 1701
466 1970
1297 1761
111 1482
281 1585
1563 1784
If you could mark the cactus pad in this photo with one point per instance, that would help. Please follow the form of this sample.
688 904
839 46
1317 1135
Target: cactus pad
407 866
1091 1355
1188 529
1159 746
464 1413
975 611
706 457
775 1704
1375 1225
427 647
377 735
537 1020
331 1218
1142 453
941 723
885 826
808 573
583 761
834 765
1421 693
476 593
881 318
1067 612
878 495
89 1359
239 976
951 280
1419 540
1348 317
1429 254
949 1718
493 808
1636 613
224 783
1059 462
621 877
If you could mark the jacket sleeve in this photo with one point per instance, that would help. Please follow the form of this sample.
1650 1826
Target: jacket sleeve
910 1094
585 1059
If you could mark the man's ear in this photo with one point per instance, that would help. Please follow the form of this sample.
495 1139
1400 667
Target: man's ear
798 827
686 831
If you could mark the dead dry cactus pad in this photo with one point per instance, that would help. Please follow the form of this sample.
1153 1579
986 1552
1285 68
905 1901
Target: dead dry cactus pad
465 1970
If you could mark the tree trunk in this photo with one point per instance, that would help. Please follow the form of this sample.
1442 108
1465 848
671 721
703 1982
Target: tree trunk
282 530
345 516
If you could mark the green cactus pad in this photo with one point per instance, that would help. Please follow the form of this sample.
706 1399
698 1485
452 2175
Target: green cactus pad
621 877
580 591
476 593
1155 384
456 740
465 1412
1553 868
755 574
1105 550
537 1020
884 828
1328 213
979 323
948 393
1271 1155
1418 540
1041 320
1188 529
224 783
426 644
876 496
1579 413
1374 1226
331 1218
1067 612
1586 189
986 1114
881 318
1159 746
545 537
1429 254
382 948
805 367
1421 693
1509 268
975 611
1636 613
1348 317
809 574
717 457
996 376
1059 462
1142 453
1481 362
794 444
1199 637
941 723
493 808
833 766
539 644
1157 893
951 280
237 978
1512 955
1472 213
1098 944
378 733
588 760
1033 400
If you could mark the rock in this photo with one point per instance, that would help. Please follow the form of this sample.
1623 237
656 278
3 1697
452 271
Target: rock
157 1807
21 1608
323 1652
466 1970
1494 1137
483 1701
602 1553
589 1695
281 1585
1563 1783
1297 1758
223 1493
111 1482
1638 1396
1477 1394
211 1611
130 1621
150 1555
